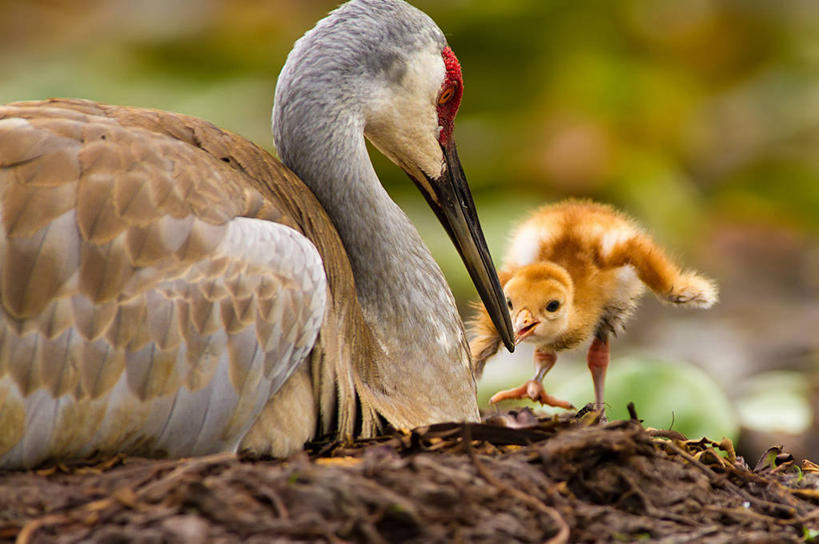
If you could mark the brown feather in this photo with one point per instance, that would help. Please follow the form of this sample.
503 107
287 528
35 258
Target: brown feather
152 372
96 217
204 315
55 319
22 360
19 141
57 165
132 199
77 424
100 367
126 323
12 419
144 246
92 320
32 276
243 351
28 208
55 261
138 330
69 130
163 321
4 347
236 315
58 367
104 270
201 241
241 285
201 359
213 289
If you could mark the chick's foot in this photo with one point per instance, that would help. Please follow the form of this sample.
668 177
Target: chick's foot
533 390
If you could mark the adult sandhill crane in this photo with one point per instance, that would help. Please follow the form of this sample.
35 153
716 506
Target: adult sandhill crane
168 288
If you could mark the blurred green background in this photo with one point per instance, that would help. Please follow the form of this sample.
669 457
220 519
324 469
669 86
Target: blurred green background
699 118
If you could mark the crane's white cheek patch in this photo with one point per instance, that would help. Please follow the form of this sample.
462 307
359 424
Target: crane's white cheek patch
526 246
402 119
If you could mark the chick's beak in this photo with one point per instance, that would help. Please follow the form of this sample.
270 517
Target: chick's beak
525 324
450 199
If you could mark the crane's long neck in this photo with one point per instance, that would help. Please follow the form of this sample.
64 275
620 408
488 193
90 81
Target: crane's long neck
404 296
399 284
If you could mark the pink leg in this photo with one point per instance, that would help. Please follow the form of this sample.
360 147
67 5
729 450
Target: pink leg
533 389
598 361
544 361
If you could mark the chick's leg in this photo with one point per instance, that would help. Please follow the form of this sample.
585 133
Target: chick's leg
533 389
598 361
660 274
544 361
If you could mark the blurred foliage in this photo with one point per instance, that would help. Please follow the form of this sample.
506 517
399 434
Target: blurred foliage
698 117
666 394
778 401
684 113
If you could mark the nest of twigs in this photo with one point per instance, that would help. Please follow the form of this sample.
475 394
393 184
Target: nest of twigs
515 478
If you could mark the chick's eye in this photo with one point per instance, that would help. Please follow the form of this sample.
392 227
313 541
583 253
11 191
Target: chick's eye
509 303
552 306
446 96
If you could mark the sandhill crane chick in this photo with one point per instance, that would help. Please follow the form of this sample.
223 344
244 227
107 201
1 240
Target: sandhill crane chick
575 270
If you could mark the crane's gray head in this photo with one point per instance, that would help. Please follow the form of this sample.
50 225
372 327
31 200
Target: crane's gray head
386 65
383 68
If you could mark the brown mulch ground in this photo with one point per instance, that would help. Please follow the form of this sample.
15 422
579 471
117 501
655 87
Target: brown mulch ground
563 479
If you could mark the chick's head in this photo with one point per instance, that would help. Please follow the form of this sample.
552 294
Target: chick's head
540 299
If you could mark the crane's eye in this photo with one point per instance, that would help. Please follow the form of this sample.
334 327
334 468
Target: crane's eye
446 96
552 306
509 303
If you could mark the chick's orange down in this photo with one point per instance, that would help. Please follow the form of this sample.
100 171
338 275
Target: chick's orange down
576 270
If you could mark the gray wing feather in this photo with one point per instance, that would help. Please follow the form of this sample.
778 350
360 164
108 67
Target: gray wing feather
141 308
193 378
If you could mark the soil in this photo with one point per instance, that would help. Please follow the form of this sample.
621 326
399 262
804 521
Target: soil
513 478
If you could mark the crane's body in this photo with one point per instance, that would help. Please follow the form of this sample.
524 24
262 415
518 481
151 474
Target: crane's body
169 288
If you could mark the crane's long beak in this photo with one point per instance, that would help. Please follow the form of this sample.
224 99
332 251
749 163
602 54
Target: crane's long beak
450 199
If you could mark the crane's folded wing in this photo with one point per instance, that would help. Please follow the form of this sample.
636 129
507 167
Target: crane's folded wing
140 310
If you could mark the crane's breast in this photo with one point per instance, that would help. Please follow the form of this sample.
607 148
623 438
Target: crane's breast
151 299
